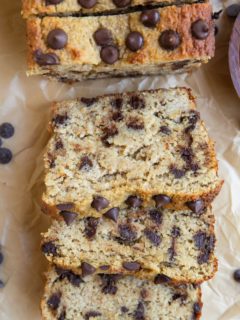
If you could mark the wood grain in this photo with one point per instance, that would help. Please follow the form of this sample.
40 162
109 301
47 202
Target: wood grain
234 55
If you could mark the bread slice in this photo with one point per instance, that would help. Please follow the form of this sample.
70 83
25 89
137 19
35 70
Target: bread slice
77 48
134 149
113 297
164 245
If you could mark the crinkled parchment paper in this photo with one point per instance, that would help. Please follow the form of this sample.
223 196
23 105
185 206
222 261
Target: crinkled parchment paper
25 103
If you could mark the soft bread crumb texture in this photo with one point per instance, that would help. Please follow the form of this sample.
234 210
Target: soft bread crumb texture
133 298
157 144
179 245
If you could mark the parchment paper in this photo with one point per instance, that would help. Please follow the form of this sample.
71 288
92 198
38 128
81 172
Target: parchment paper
25 103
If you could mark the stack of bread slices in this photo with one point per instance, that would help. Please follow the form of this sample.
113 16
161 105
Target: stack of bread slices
129 183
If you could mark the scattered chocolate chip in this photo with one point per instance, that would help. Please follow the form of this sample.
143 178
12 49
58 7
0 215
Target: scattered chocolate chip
54 301
156 216
90 227
60 119
59 144
169 40
65 206
216 15
205 244
161 278
112 214
127 234
233 10
135 124
92 314
62 315
200 239
1 258
134 41
117 116
150 18
68 216
124 309
57 39
161 200
179 295
165 130
134 202
6 130
99 203
109 131
87 4
2 285
136 102
104 268
117 103
49 248
5 155
131 266
180 65
53 2
122 3
178 173
153 237
139 313
175 232
200 29
85 163
87 269
109 283
88 101
109 54
197 309
73 278
203 257
236 275
196 206
45 59
103 37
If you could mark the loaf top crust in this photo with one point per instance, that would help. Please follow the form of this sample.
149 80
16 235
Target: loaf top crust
141 144
69 7
115 297
81 52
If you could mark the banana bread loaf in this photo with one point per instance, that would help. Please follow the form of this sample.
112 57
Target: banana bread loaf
113 297
164 245
139 149
169 39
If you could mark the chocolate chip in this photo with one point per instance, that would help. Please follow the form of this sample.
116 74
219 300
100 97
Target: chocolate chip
85 163
175 232
60 119
65 206
122 3
5 155
127 234
200 29
117 116
178 173
68 216
109 283
233 10
153 237
139 313
179 295
150 18
87 4
161 200
134 41
200 239
49 248
124 309
131 266
53 2
161 278
180 65
196 206
57 39
136 102
169 40
109 54
88 101
1 258
134 202
90 227
6 130
45 59
103 37
109 131
135 123
203 257
104 268
2 285
73 278
117 103
92 314
62 315
197 309
156 216
112 214
59 144
236 275
165 130
99 203
87 269
54 301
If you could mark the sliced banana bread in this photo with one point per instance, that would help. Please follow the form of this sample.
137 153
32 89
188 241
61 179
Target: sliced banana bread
114 297
138 149
164 245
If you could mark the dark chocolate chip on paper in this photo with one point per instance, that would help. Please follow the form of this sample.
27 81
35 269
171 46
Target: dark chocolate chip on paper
5 155
236 275
6 130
